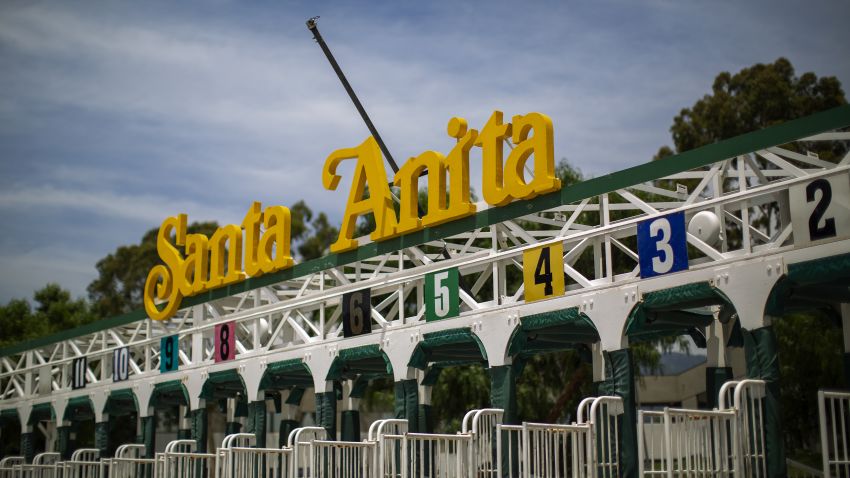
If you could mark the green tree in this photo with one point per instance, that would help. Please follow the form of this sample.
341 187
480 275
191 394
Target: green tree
754 98
54 311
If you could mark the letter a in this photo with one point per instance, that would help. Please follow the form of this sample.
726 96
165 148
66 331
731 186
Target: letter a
369 172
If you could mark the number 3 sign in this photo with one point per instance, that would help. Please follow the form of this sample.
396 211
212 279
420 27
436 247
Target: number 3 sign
662 245
225 342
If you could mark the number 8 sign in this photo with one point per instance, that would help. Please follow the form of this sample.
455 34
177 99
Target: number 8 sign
225 342
441 295
662 245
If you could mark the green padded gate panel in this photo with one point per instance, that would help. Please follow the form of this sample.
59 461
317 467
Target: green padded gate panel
350 425
326 412
199 429
407 403
620 381
149 435
101 438
763 363
27 446
715 377
63 439
257 421
286 427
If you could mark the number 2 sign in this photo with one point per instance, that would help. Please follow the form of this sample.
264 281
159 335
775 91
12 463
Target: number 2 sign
543 272
225 341
820 209
441 295
662 245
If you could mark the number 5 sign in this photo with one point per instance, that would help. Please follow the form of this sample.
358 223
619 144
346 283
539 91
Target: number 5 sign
662 245
543 272
441 295
225 341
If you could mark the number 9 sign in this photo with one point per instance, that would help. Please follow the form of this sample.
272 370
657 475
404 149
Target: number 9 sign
225 342
356 313
169 349
662 245
441 295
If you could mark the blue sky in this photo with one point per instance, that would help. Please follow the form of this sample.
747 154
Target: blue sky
114 115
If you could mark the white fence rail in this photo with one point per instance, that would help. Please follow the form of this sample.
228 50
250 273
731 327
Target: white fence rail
834 412
341 459
388 435
436 455
179 460
482 426
129 462
43 466
603 446
8 464
84 463
747 398
237 458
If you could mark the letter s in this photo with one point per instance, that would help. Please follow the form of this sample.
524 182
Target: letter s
162 282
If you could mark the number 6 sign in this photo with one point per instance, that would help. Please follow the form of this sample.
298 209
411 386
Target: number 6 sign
441 295
662 245
356 313
225 342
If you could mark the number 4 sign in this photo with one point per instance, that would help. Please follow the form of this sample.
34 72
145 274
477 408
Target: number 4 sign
662 245
225 341
543 272
441 295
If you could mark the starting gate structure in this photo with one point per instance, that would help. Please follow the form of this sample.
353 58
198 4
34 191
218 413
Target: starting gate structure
717 241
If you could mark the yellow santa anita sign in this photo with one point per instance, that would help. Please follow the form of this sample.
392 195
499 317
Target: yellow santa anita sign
235 252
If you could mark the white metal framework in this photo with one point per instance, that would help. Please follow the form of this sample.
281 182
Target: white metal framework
748 184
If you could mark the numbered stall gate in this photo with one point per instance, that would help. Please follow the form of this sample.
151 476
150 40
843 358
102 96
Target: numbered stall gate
834 412
43 466
388 434
299 443
84 463
482 425
237 458
747 399
179 460
437 455
603 414
8 464
698 443
129 462
543 450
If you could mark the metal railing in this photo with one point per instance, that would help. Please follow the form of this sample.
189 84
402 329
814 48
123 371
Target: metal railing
179 460
603 446
84 463
834 414
747 397
129 462
8 464
299 443
436 455
482 425
388 434
691 443
341 459
237 458
43 466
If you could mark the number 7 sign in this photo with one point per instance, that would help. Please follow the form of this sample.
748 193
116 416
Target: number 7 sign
442 299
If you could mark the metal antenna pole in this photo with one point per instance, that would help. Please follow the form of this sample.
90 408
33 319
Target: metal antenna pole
311 25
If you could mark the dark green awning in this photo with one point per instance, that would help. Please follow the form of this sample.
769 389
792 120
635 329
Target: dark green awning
285 375
552 331
454 345
675 311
